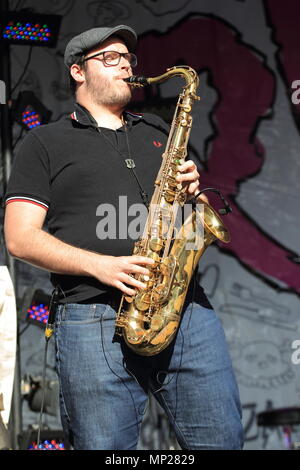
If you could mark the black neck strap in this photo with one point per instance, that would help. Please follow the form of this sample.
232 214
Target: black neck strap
129 162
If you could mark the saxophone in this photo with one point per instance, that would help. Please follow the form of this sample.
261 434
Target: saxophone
149 321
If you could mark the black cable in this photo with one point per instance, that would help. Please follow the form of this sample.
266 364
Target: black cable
43 394
130 164
24 329
120 378
52 313
48 334
17 5
140 412
225 210
18 138
143 193
24 71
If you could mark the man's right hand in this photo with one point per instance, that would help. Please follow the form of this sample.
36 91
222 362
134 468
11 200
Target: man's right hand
117 271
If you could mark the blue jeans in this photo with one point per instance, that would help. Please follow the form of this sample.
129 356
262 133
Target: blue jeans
104 386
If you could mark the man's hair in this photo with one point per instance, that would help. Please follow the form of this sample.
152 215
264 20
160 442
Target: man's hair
72 82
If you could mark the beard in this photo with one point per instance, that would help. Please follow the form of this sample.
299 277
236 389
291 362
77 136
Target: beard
108 92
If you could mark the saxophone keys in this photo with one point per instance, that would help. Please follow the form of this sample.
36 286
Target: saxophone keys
169 196
135 333
156 244
157 322
181 198
142 301
160 293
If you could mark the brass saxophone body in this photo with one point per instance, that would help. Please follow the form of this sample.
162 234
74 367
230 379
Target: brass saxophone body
149 320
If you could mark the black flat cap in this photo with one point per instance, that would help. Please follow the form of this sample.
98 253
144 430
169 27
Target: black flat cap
87 40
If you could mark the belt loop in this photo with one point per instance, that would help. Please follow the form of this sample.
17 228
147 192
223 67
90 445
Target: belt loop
93 309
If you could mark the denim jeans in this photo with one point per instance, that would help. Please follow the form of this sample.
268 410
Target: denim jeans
104 386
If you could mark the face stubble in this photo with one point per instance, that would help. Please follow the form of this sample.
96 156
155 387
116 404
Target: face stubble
107 91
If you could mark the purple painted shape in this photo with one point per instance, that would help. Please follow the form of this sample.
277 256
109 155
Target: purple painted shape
286 27
246 91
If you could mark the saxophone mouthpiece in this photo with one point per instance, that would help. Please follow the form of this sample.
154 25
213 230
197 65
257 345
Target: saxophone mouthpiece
136 81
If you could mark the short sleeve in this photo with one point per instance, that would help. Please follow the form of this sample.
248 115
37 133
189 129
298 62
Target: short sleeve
30 175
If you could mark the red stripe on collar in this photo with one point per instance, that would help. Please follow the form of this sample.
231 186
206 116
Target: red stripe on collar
73 116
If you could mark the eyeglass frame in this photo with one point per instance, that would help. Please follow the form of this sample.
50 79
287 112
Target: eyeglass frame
121 54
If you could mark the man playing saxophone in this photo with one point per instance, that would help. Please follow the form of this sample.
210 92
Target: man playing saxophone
75 174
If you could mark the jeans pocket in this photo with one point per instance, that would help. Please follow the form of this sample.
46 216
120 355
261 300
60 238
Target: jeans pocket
80 314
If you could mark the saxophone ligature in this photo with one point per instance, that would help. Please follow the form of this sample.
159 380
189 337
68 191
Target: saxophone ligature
149 320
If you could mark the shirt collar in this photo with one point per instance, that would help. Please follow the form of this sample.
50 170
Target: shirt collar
132 117
84 117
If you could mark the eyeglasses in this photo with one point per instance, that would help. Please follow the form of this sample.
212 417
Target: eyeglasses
114 57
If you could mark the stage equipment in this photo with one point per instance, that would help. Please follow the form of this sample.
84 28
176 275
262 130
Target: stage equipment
51 439
27 28
35 307
33 388
288 419
29 112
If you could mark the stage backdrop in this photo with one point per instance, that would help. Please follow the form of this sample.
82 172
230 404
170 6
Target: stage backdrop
246 139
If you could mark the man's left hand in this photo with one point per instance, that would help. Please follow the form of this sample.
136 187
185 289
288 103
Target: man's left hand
190 179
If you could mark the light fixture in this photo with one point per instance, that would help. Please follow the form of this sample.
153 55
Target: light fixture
29 111
51 439
35 307
27 28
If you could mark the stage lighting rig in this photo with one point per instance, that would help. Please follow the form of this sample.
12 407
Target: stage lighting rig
29 111
27 28
50 440
35 307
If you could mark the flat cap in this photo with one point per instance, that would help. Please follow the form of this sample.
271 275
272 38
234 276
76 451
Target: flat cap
93 37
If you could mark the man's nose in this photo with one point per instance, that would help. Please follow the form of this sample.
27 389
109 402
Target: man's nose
124 63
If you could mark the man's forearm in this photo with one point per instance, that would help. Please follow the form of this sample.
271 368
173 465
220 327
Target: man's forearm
44 251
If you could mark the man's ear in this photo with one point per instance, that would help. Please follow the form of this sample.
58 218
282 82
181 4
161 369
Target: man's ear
77 73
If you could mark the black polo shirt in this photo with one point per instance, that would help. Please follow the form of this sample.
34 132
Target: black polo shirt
77 173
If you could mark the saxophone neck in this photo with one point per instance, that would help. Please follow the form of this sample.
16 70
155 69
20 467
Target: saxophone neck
190 76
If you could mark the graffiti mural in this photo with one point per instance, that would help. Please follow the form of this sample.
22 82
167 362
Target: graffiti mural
246 139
